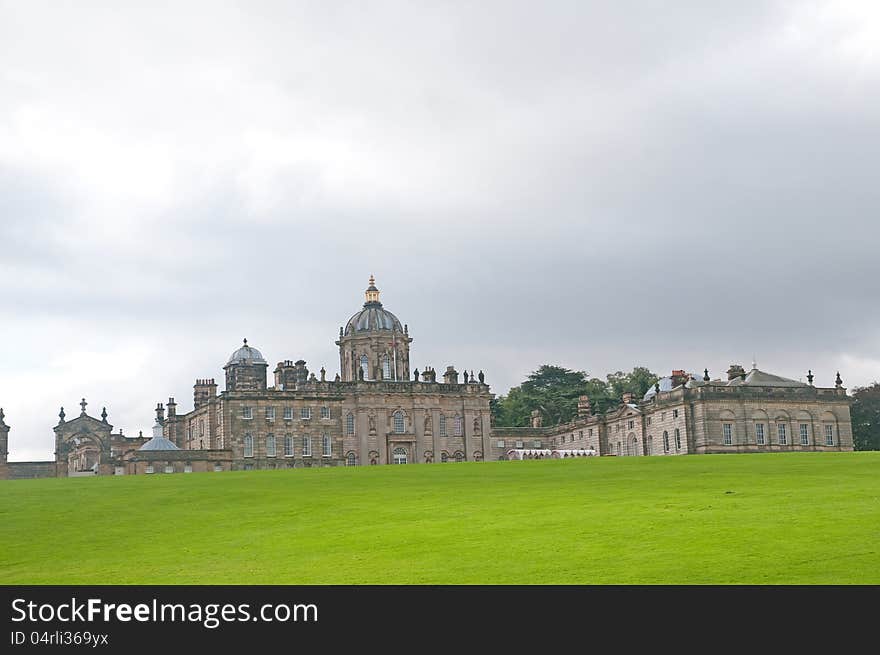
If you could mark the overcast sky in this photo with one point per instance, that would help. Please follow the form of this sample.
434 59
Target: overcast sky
595 185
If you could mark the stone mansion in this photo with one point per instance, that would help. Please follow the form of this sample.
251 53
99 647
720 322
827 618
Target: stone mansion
377 410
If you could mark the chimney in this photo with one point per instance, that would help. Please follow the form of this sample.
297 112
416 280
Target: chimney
172 408
451 375
203 391
679 377
537 419
584 409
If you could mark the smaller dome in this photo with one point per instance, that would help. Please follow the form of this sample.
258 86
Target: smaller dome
246 355
158 442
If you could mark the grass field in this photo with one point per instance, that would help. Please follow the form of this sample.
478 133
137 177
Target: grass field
763 519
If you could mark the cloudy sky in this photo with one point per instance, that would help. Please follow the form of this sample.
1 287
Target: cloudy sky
592 184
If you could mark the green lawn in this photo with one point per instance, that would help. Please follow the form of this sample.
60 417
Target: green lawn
800 518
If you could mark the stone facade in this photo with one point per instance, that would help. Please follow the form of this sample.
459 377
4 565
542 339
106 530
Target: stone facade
377 411
747 412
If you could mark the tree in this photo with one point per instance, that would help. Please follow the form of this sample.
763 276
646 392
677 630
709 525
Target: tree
554 391
637 382
865 414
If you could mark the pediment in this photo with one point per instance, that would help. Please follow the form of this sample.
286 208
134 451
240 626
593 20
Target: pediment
84 424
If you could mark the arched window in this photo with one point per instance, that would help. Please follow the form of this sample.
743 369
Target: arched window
365 367
399 426
458 425
288 446
386 368
442 425
444 457
677 439
634 446
248 446
459 456
270 445
351 460
399 456
349 424
665 441
307 446
326 445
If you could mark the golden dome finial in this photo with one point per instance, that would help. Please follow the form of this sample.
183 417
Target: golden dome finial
372 294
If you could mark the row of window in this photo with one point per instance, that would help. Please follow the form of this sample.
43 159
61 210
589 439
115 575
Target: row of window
288 444
305 413
398 419
781 434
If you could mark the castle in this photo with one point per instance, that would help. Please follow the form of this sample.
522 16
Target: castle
377 410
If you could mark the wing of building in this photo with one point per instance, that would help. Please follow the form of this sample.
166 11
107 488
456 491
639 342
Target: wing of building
750 411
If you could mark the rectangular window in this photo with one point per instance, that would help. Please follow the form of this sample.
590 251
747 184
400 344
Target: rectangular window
674 413
662 416
499 443
631 424
829 435
727 430
169 468
248 446
617 428
677 439
581 434
780 431
270 413
458 426
247 413
270 446
187 468
288 446
327 445
307 446
519 444
537 444
288 413
443 426
325 412
649 420
759 433
590 432
305 413
805 434
349 424
149 469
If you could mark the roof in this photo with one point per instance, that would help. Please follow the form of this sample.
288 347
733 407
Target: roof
758 378
373 317
159 443
246 355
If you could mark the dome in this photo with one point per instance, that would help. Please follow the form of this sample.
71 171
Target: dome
373 316
246 355
158 442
